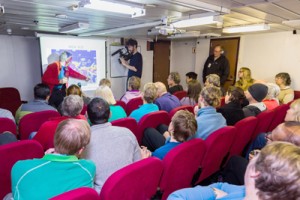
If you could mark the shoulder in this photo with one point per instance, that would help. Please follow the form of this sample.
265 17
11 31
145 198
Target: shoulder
88 164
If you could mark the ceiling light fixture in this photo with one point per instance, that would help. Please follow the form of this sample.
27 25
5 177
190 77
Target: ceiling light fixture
191 34
74 27
247 28
293 23
198 21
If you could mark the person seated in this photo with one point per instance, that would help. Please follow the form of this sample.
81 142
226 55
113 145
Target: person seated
165 100
60 170
190 76
182 127
212 79
117 112
148 96
105 82
40 102
76 90
6 114
232 110
194 89
255 94
111 147
208 119
245 79
272 174
134 84
286 95
174 83
271 101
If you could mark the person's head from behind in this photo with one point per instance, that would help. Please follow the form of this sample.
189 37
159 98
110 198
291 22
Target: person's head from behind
134 83
194 89
183 125
41 92
149 93
71 136
273 91
98 111
235 95
212 79
71 106
218 51
293 113
105 82
173 79
210 96
161 88
132 44
65 58
105 93
74 90
283 79
274 173
190 76
256 93
244 73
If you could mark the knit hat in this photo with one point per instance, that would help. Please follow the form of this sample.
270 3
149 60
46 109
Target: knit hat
258 91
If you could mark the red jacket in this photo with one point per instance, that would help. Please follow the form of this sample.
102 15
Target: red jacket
50 76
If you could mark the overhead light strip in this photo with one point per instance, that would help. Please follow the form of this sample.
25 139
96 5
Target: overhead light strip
247 28
198 21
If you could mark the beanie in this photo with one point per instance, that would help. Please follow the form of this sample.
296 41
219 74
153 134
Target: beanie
258 91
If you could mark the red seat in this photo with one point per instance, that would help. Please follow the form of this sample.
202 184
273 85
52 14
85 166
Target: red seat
222 101
33 121
135 181
121 103
84 109
188 108
10 154
127 122
180 165
265 119
84 193
10 99
218 145
279 116
180 94
133 104
8 125
296 94
151 120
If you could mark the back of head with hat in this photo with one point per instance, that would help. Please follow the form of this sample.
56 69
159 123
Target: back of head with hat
258 91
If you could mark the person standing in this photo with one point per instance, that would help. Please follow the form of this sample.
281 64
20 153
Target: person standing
217 64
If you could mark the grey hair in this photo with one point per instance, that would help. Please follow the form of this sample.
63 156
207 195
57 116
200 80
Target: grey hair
273 91
72 105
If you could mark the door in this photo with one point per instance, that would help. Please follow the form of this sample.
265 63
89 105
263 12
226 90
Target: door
231 51
161 61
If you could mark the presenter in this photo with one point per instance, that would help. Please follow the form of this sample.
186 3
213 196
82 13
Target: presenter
135 64
57 74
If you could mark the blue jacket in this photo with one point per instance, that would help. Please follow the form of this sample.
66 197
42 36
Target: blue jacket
167 102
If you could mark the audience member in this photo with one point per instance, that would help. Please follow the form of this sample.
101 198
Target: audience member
174 83
117 112
271 101
190 76
165 100
283 80
212 79
105 82
194 89
111 147
148 96
245 79
6 114
76 90
134 84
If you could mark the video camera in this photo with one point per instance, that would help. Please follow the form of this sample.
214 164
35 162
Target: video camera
123 53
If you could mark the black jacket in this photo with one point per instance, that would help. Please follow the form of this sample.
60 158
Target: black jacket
219 67
232 112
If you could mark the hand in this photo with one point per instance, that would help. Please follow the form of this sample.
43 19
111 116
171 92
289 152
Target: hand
145 152
123 61
87 78
63 81
253 153
219 193
167 134
196 108
50 151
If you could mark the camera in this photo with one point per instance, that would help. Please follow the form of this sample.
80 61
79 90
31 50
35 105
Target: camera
123 53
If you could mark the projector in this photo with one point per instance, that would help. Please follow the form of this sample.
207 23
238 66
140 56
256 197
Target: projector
2 11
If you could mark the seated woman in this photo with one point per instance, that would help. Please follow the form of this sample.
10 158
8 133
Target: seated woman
117 112
76 90
232 110
134 84
271 100
286 95
174 82
212 80
194 89
149 95
105 82
245 79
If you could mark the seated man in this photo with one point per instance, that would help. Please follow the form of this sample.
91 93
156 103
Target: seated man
40 102
174 82
272 174
59 171
165 100
111 147
133 87
190 76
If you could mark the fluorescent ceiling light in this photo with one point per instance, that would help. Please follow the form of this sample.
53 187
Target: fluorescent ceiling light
191 34
247 28
292 22
134 11
74 27
198 21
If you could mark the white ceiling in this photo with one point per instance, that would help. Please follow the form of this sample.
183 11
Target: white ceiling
39 15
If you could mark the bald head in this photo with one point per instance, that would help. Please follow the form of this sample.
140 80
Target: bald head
161 88
287 132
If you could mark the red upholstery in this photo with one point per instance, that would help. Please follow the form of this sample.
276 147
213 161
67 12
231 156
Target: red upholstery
7 125
222 102
264 121
10 99
133 104
121 103
296 94
78 194
84 109
33 121
180 165
180 94
279 116
151 120
218 145
135 181
244 131
127 122
188 108
10 154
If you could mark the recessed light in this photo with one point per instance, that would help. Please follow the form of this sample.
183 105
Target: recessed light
62 16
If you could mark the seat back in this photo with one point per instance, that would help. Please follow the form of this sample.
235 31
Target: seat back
121 103
10 99
218 145
10 154
33 121
127 122
265 119
84 109
133 104
279 116
7 125
180 165
188 108
180 94
151 120
135 181
296 94
83 193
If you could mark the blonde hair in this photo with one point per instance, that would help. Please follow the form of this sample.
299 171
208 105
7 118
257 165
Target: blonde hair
104 82
149 92
175 77
213 79
105 93
211 95
161 88
296 107
134 82
184 124
74 89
